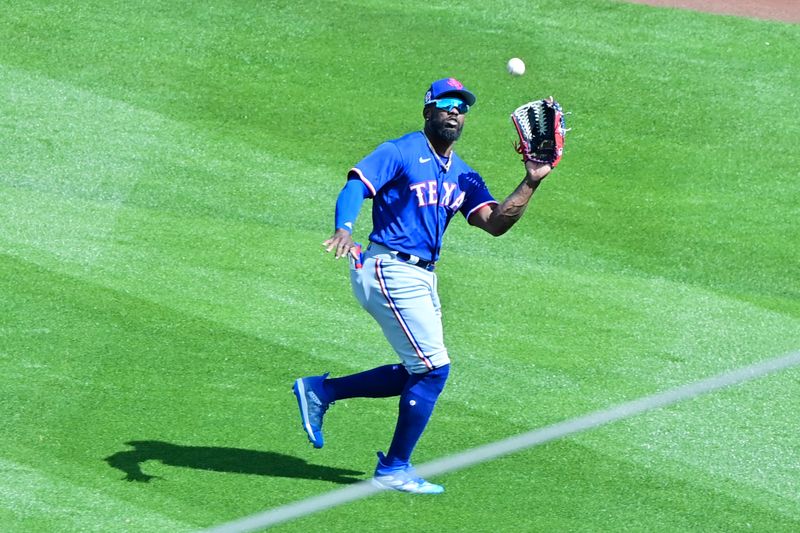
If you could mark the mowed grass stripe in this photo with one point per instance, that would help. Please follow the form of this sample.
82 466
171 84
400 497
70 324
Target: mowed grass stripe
64 139
89 368
156 202
35 499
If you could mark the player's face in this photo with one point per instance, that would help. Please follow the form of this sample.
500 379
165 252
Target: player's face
446 125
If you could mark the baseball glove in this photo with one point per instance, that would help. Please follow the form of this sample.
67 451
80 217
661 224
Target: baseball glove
540 126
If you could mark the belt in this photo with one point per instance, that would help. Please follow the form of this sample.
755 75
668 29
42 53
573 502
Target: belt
406 258
416 261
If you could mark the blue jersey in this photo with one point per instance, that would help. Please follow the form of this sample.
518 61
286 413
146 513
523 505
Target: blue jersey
416 192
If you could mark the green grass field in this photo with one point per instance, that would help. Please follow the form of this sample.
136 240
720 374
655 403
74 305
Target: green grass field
168 174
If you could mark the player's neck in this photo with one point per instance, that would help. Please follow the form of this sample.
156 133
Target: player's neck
440 146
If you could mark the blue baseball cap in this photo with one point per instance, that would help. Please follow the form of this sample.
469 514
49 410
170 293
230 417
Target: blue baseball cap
449 87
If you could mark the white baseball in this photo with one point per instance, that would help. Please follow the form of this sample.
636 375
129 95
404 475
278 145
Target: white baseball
515 66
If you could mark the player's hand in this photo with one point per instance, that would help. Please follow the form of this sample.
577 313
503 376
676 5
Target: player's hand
537 171
341 242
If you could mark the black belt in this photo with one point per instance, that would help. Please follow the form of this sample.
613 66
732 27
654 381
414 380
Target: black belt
416 261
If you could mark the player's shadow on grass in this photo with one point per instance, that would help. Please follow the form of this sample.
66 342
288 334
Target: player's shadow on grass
218 459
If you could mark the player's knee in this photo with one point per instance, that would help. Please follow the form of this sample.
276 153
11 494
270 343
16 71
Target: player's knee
430 384
439 375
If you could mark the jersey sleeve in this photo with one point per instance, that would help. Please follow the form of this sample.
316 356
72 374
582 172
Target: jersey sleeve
477 193
378 168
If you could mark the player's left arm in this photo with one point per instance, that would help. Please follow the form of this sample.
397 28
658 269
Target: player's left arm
497 219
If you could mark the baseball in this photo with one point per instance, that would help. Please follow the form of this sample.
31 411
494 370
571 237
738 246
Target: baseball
515 66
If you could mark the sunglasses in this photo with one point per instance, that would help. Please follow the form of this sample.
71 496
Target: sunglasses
449 103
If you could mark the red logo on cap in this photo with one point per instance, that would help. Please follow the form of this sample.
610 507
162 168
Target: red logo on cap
452 82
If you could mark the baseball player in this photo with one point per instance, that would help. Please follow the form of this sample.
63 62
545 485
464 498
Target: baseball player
417 184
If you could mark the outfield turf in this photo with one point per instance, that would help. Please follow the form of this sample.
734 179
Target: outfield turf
168 171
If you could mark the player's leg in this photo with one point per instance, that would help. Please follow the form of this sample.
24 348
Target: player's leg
416 405
382 382
403 300
418 398
316 393
394 470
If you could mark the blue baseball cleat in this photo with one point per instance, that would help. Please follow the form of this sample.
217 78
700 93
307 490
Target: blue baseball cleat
402 478
310 396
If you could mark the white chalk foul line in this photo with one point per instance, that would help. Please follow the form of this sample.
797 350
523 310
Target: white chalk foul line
520 442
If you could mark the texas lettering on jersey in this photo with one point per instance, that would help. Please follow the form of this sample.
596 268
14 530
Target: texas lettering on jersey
416 193
428 194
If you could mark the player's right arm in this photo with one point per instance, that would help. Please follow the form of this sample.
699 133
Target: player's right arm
363 180
348 205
